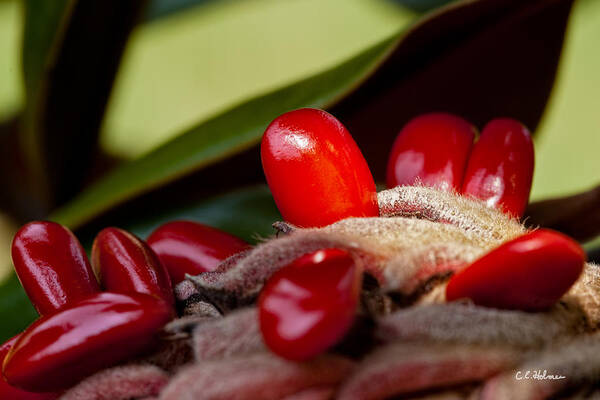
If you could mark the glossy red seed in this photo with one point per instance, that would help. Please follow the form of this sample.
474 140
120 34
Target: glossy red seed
126 264
309 305
500 168
12 393
431 149
315 170
186 247
59 350
531 273
52 266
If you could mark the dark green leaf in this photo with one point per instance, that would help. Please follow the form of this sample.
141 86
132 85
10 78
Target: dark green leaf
247 213
224 135
161 8
17 200
567 150
423 5
184 69
480 60
71 53
16 312
42 22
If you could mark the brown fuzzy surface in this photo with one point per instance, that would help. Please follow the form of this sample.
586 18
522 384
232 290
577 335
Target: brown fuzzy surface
412 343
469 324
237 334
576 360
586 293
480 222
257 376
120 383
402 368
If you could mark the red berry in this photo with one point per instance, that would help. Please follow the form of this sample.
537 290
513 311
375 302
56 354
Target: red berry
531 273
500 168
431 149
59 350
186 247
309 305
52 266
9 392
315 170
125 264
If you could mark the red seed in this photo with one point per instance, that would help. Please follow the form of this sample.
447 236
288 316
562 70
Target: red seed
500 168
52 266
308 306
315 170
431 149
125 264
531 273
186 247
12 393
59 350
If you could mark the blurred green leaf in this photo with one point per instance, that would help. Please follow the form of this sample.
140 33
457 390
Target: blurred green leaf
71 52
477 59
568 140
11 90
247 213
7 230
41 29
16 311
42 22
219 137
161 8
195 64
423 5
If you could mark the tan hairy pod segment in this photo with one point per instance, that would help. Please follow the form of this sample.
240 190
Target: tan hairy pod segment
425 232
423 236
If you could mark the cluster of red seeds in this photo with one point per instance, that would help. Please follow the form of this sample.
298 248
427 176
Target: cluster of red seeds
83 329
317 176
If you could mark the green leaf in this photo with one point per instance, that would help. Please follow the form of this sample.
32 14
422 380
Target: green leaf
423 5
247 213
193 65
228 133
42 22
16 312
41 29
11 87
71 51
161 8
480 60
567 159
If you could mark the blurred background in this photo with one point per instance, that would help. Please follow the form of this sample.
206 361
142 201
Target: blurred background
132 114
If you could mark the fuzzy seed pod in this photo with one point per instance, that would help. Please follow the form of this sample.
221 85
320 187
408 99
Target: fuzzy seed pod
412 341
